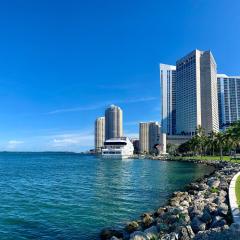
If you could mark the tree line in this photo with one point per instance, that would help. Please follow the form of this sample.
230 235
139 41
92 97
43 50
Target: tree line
214 143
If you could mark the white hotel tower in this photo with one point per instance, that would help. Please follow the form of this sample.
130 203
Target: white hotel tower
196 93
168 98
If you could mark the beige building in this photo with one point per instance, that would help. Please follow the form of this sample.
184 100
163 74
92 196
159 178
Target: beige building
99 134
149 134
113 122
196 93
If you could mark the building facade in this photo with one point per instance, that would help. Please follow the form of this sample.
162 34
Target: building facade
99 134
168 98
144 137
149 136
228 99
196 93
113 122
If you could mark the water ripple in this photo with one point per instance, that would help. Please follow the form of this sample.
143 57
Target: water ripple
69 196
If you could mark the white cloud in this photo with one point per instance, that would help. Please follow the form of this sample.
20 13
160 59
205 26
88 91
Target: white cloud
101 105
12 144
76 140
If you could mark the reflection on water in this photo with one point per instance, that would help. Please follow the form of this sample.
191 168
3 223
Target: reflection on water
70 196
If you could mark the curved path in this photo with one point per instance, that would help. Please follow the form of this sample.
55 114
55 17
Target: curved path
233 200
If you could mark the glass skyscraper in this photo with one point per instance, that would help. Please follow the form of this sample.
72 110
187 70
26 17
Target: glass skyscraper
168 98
228 99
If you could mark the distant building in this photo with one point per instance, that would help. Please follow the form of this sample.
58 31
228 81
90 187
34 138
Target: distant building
228 99
144 137
99 134
135 142
168 98
196 93
113 122
149 134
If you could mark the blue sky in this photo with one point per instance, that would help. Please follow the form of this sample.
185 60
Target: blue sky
63 62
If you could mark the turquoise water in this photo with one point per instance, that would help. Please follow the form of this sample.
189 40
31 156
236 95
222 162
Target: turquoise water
70 196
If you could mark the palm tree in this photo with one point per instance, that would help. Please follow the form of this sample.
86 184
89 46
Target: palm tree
220 142
200 138
212 141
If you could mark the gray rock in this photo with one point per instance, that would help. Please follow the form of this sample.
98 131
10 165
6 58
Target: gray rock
114 238
197 225
186 233
223 209
218 222
108 233
206 217
132 227
162 227
138 236
147 220
213 183
168 237
184 203
151 232
203 186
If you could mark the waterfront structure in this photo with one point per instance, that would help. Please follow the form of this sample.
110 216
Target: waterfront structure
149 134
196 93
168 98
99 134
113 122
163 143
135 142
120 148
228 99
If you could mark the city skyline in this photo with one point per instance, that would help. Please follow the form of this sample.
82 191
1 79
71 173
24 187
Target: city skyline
63 63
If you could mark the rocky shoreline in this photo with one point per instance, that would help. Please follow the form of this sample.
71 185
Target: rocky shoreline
201 212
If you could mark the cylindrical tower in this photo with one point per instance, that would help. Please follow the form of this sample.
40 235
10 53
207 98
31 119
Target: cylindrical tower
113 122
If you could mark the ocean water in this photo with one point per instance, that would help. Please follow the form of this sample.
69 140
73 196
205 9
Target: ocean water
71 196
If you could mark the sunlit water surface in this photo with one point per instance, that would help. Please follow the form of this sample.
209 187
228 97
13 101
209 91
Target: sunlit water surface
70 196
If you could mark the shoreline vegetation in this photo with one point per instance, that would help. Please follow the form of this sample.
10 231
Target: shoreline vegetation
200 212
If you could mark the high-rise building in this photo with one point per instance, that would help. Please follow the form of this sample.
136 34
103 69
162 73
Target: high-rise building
144 137
149 134
196 93
99 134
113 122
228 99
154 135
168 98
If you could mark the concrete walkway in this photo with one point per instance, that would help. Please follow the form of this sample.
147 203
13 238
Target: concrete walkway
233 200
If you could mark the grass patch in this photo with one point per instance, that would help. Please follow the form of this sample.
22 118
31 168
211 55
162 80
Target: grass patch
214 190
212 158
237 189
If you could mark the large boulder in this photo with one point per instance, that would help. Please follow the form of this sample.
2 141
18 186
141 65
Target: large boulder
138 236
223 209
108 233
197 225
185 233
162 227
206 217
218 221
151 233
213 182
132 227
147 220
